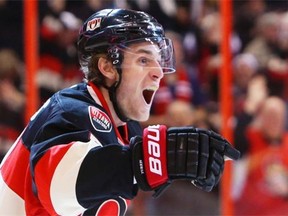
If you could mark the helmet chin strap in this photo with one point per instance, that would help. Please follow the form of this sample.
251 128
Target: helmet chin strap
112 95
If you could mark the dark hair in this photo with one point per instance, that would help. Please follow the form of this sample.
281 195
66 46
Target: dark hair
93 74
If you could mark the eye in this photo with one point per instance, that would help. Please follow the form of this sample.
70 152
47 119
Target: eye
143 60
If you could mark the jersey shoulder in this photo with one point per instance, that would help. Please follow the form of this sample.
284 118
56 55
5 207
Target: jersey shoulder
81 109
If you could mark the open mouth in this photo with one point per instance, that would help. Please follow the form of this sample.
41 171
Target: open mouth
148 94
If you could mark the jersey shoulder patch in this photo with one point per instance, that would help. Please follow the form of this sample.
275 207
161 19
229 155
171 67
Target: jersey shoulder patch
99 119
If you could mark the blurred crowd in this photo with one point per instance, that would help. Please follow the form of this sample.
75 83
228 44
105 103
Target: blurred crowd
259 45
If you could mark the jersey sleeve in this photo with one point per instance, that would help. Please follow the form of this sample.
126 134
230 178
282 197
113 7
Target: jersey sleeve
73 177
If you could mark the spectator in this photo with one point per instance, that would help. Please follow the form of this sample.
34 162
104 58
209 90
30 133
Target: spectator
245 15
279 66
264 174
187 27
256 93
245 67
58 65
265 41
266 48
11 99
210 56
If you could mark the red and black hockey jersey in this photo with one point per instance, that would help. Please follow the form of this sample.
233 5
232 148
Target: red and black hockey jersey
70 159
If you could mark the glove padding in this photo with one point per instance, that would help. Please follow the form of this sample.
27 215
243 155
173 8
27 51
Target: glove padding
179 153
197 154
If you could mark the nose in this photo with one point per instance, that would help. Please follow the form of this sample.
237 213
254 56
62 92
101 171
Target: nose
157 72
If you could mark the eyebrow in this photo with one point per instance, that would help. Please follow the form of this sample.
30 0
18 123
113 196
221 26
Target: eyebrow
144 51
148 52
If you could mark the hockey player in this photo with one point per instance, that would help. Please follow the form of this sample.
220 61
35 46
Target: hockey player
83 153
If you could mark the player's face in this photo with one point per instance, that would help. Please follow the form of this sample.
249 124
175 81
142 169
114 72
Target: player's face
141 75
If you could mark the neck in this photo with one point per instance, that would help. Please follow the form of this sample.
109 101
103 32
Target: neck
115 117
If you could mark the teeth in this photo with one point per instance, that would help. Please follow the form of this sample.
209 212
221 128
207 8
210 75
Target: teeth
152 88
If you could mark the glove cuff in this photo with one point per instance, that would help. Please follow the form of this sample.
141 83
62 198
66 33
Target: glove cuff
138 163
149 155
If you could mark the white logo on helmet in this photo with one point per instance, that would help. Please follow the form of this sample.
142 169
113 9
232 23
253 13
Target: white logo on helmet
93 24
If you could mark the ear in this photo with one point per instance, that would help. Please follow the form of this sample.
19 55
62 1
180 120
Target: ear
107 69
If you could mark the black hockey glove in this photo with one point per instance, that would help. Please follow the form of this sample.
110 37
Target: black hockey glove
162 155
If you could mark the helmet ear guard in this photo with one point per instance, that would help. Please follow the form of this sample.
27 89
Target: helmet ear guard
115 55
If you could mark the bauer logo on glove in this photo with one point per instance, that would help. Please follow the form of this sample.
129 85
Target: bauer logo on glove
188 153
154 150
